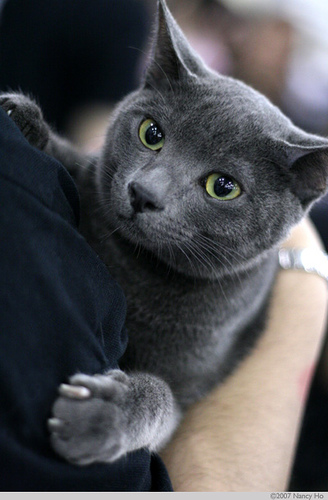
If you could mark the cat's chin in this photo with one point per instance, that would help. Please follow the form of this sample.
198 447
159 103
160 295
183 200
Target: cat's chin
170 255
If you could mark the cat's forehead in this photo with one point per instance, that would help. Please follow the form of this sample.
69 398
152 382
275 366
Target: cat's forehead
216 105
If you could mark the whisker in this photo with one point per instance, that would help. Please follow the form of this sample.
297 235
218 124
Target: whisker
219 245
216 246
228 265
198 255
109 235
187 257
206 264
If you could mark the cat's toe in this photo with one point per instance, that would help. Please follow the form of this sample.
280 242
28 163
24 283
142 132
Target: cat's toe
89 422
110 386
87 431
27 116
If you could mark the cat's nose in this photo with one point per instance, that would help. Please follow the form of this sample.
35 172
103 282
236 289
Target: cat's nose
142 199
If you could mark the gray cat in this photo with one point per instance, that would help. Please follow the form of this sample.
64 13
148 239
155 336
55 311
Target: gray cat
199 181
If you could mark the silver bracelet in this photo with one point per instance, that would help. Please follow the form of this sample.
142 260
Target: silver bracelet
306 259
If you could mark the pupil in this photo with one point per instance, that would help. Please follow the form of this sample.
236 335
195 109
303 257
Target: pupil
223 186
153 135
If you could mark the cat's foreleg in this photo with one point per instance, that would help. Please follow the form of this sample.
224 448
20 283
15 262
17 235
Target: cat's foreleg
29 118
100 418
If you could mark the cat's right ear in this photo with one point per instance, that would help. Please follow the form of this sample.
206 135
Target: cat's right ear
172 57
307 159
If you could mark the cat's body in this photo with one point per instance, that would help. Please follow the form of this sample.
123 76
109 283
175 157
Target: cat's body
197 260
188 330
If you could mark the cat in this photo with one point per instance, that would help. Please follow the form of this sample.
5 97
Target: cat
199 181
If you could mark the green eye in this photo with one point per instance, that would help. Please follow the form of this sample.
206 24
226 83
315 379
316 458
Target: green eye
151 135
222 187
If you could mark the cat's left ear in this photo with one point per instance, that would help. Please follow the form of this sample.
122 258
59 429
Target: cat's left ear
307 159
172 56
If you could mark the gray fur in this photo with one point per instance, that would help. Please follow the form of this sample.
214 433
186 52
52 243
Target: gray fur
197 272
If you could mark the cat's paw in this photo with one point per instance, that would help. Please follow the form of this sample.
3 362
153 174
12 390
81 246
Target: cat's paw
89 421
27 116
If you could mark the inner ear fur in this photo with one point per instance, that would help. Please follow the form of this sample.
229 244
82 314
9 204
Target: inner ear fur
172 57
310 176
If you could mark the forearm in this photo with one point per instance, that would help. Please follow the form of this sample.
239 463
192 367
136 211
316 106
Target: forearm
242 437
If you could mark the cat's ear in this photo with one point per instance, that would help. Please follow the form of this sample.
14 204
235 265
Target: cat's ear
307 159
172 57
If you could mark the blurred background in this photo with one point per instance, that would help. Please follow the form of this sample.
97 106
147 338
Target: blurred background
78 58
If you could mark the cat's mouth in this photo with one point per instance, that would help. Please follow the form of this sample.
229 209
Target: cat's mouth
192 252
141 230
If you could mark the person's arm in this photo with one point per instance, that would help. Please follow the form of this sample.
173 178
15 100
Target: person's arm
242 437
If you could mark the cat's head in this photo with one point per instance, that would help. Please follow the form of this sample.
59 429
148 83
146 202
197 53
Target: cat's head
202 170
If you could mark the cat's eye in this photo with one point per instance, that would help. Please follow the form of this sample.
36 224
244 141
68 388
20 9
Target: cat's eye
222 187
151 135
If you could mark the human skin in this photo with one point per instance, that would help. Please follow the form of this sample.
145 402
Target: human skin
243 435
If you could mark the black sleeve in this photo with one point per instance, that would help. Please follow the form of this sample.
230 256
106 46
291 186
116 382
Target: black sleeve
60 312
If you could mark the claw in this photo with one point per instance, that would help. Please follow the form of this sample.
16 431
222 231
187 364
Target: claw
54 424
74 391
9 112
